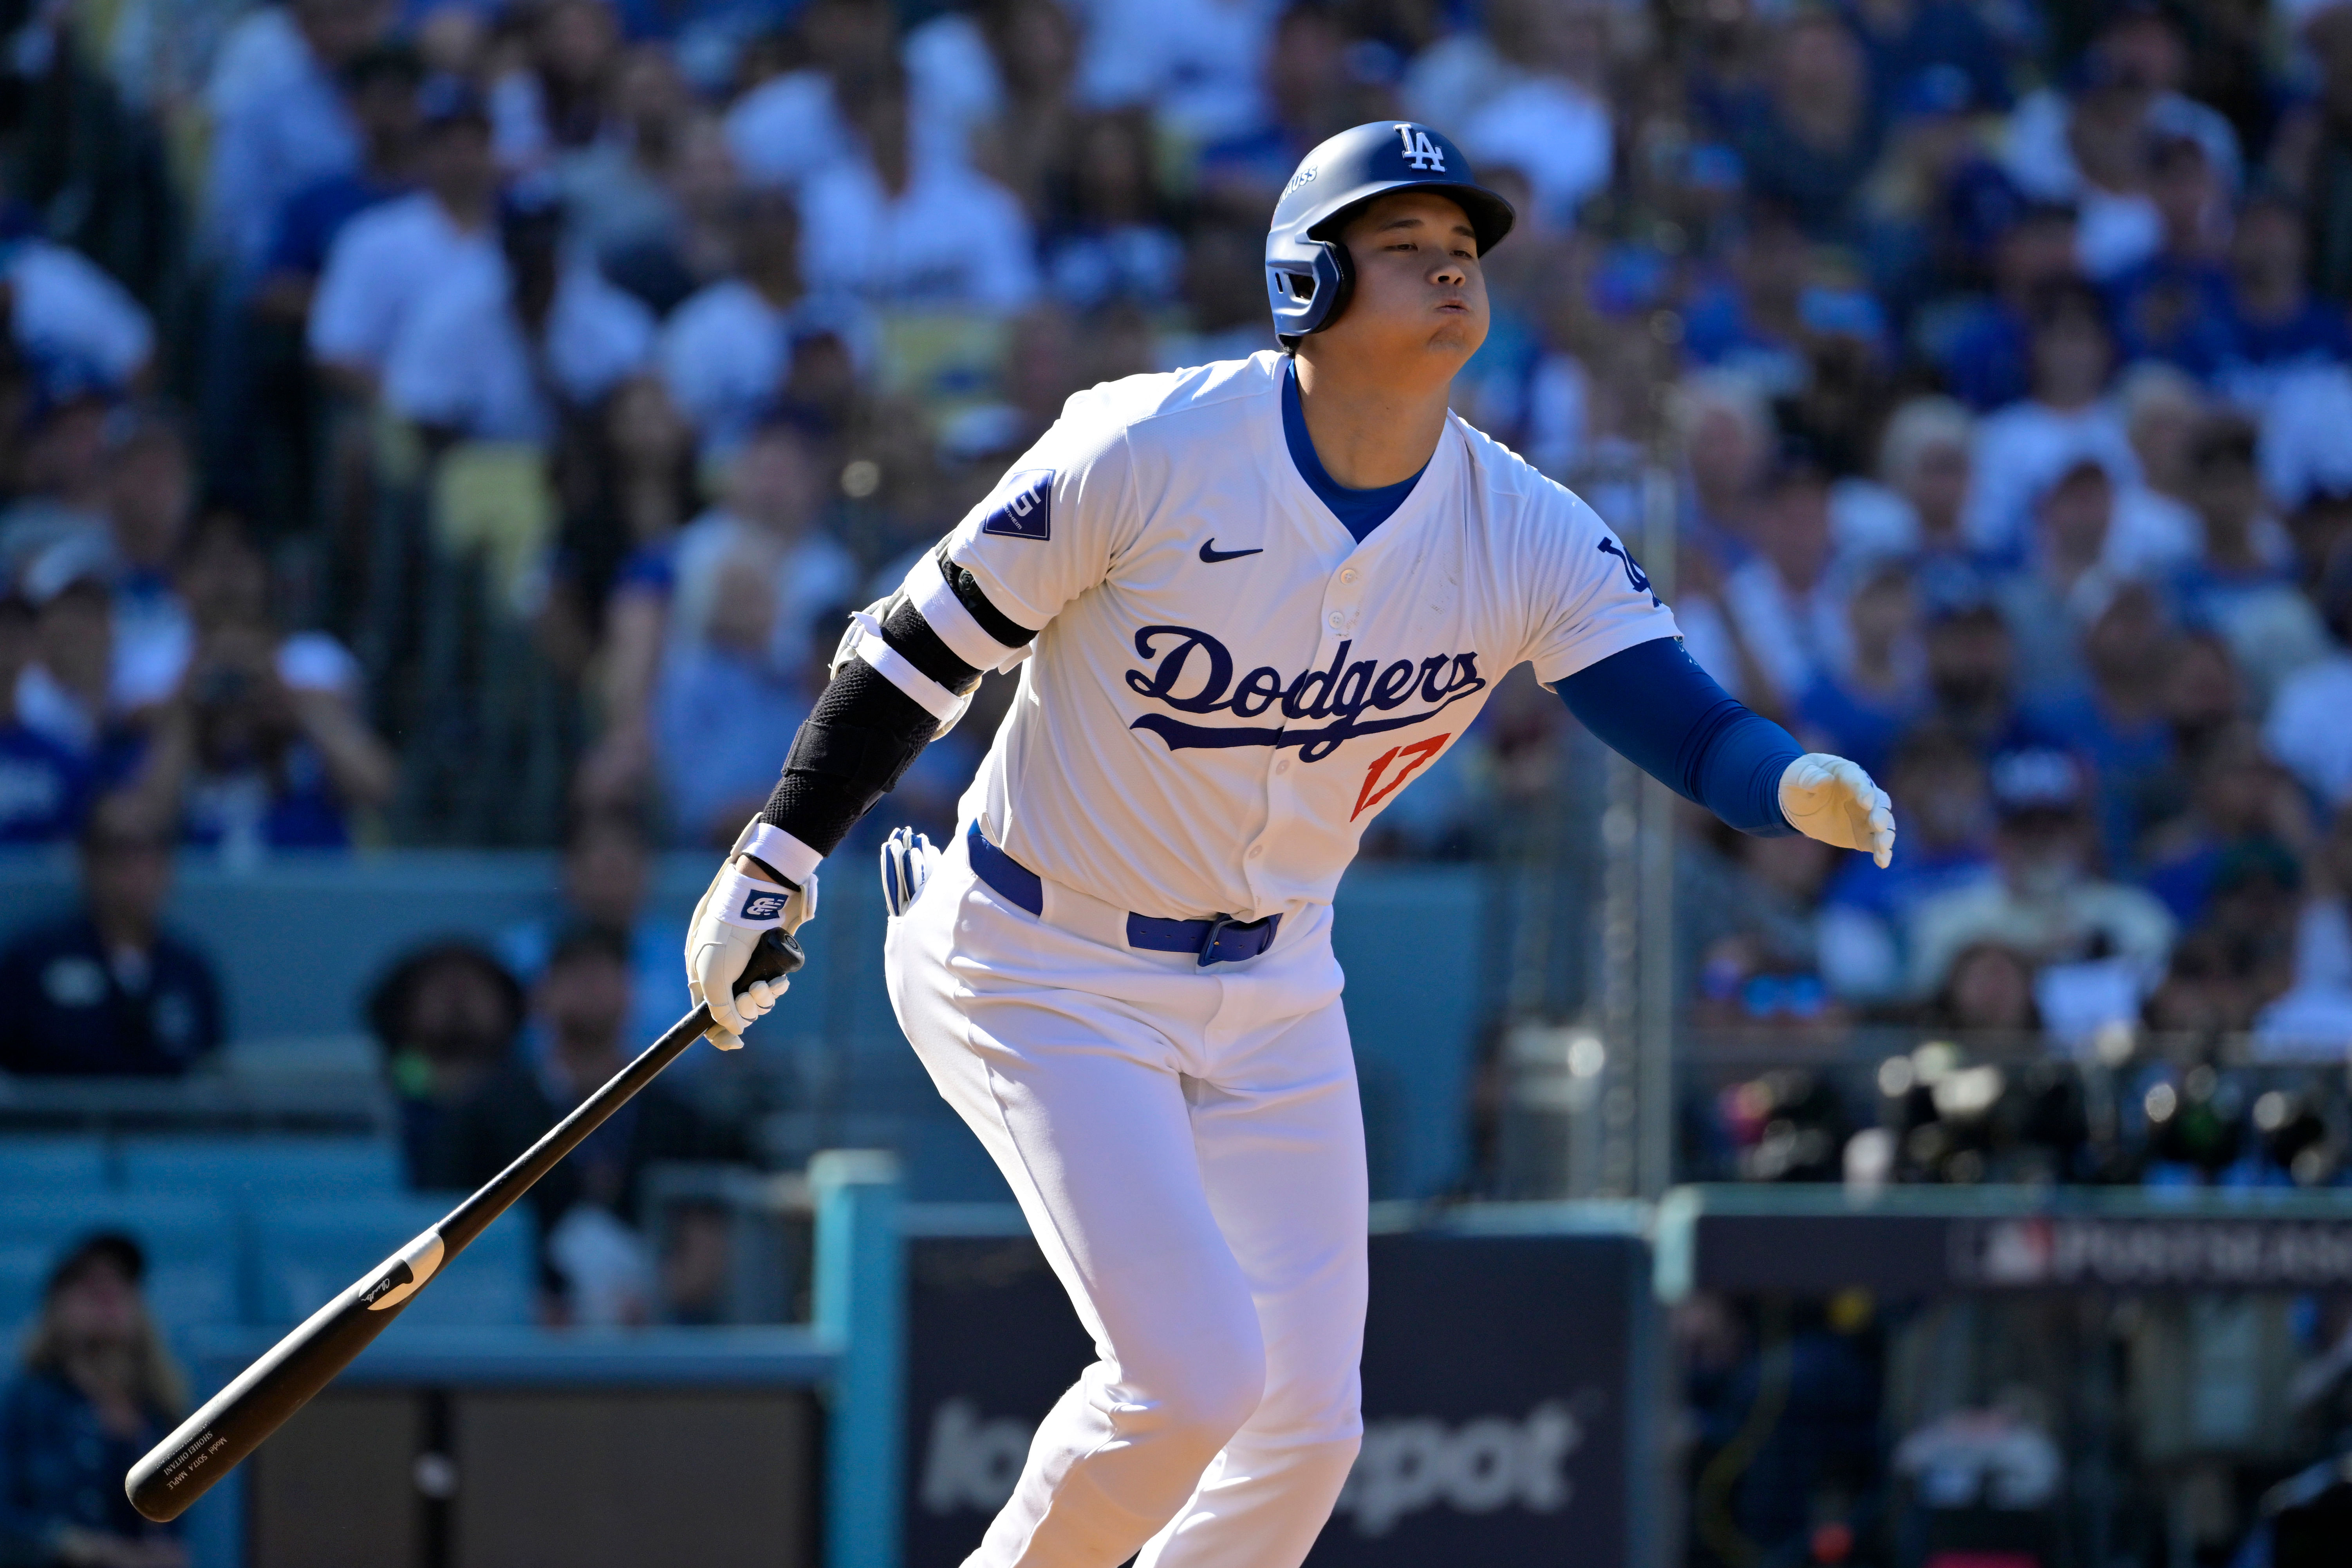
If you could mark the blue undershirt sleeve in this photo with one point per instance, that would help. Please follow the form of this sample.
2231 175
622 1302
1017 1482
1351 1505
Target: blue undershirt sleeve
1656 707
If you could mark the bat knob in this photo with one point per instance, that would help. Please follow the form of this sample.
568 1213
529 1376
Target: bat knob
777 955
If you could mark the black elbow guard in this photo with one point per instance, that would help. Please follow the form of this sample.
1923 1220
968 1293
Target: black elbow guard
863 736
867 759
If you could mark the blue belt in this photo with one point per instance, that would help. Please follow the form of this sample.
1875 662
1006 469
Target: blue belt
1223 940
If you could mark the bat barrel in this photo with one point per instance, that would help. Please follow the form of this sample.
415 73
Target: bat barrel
232 1423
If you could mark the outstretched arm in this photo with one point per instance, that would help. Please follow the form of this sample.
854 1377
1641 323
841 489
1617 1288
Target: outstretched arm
1654 705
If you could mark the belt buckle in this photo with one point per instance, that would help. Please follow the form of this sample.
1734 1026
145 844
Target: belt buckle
1217 924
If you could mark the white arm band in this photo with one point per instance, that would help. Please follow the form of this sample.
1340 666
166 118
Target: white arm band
927 589
894 666
779 850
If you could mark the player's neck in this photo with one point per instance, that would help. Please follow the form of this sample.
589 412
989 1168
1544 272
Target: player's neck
1371 431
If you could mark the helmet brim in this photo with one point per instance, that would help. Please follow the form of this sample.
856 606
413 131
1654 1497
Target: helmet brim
1490 215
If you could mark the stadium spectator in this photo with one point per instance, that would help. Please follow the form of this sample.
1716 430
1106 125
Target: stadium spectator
2174 306
1194 63
110 991
1032 135
263 745
1786 608
1866 921
59 468
2048 902
70 317
1912 508
1858 703
725 353
150 495
607 872
2242 584
772 498
1224 296
2275 324
731 684
387 261
381 84
281 118
67 691
95 1390
2092 148
592 1254
2024 446
445 1016
898 223
42 783
1112 241
2318 1005
791 125
2244 811
2117 721
2065 579
1983 352
617 189
1973 679
1990 987
556 100
2304 729
1808 143
1906 40
515 353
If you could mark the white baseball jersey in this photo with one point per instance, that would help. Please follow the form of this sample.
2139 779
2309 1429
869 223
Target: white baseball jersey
1228 687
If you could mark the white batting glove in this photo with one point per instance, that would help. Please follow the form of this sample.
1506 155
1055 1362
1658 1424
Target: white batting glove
907 861
1831 799
732 915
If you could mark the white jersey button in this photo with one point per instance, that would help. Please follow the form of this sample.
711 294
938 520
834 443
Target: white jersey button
1257 850
1337 620
1349 575
1283 766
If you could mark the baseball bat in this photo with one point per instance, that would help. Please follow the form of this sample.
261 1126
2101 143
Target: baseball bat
232 1422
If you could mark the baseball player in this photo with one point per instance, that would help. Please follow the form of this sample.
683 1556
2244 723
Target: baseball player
1249 603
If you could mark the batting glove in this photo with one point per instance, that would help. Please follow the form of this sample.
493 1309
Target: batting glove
734 913
907 861
1831 799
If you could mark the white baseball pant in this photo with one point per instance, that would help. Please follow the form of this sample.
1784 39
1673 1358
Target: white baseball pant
1188 1148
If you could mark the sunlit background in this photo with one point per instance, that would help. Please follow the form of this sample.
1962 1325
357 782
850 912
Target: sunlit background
439 446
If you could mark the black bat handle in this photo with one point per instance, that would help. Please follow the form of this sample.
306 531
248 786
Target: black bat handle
232 1423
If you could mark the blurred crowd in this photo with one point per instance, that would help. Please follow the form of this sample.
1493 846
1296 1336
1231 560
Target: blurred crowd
455 423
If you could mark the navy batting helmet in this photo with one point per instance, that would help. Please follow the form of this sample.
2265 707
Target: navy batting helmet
1308 274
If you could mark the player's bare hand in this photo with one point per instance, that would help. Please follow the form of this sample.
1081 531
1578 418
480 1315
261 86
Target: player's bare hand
1833 800
737 907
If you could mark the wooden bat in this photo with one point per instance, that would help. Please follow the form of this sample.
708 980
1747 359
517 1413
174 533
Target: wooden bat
232 1422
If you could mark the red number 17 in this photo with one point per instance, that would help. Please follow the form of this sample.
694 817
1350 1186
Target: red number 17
1410 760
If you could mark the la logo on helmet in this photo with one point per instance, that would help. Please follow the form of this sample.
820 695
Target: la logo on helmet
1419 149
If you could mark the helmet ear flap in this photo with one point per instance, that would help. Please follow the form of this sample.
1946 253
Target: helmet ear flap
1340 268
1308 298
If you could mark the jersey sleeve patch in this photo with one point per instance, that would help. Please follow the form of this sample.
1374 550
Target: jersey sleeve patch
1027 511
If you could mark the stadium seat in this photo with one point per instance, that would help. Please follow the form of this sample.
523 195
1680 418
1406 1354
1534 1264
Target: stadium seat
41 1164
307 1252
190 1242
248 1169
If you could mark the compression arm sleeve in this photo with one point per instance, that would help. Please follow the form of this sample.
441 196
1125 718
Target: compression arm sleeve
869 726
1653 704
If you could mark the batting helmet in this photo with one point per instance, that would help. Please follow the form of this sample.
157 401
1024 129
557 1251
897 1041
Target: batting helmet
1308 274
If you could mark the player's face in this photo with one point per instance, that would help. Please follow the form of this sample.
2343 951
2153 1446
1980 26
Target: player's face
1420 294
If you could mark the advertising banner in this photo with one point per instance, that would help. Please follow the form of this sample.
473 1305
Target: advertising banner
1503 1418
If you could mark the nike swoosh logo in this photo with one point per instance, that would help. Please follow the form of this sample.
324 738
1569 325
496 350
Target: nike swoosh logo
1212 555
